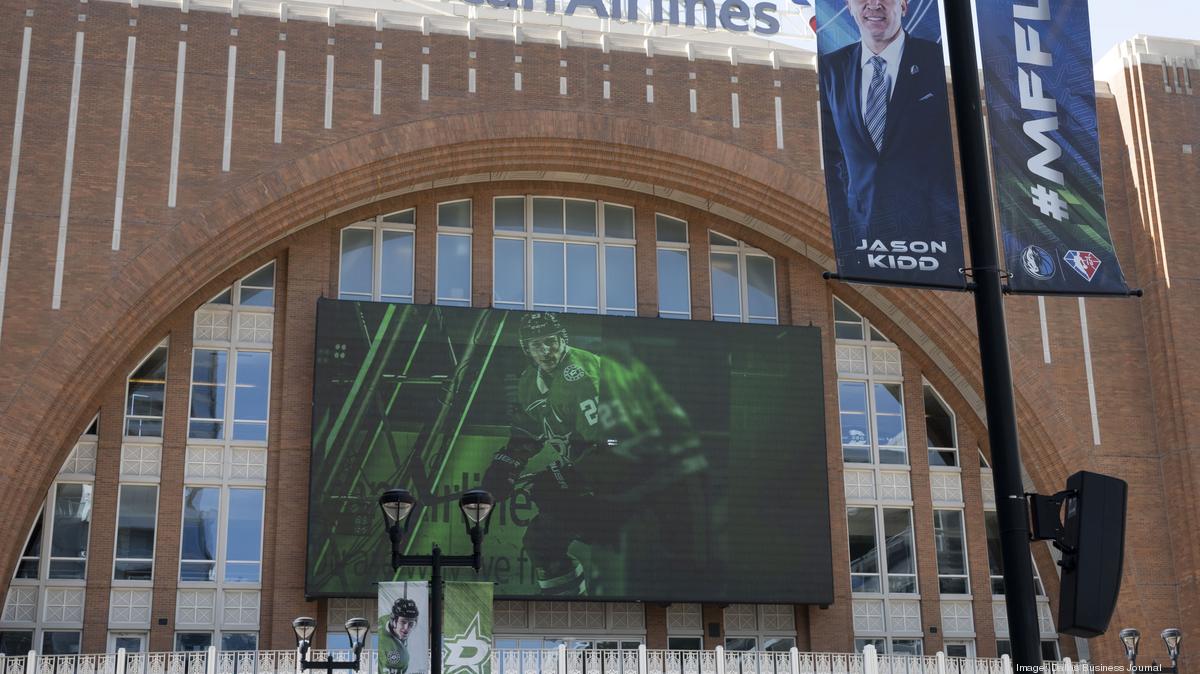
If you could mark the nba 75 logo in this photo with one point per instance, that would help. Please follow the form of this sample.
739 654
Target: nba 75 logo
1084 262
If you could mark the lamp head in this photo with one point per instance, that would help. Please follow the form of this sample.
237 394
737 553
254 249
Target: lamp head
304 628
476 506
357 629
396 505
1171 637
1130 638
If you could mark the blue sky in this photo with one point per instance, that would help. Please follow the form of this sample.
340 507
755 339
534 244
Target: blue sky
1117 20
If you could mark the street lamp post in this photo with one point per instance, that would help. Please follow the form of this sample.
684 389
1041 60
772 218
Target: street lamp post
397 505
1171 636
356 629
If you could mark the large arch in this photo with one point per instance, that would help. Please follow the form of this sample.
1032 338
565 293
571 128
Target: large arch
670 163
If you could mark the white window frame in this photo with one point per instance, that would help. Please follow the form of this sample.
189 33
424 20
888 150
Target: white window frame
888 643
957 467
685 248
116 535
602 241
464 232
113 635
125 415
760 634
881 551
962 514
228 421
378 227
222 535
742 251
874 341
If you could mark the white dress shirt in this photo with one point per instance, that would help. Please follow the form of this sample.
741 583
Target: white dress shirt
892 55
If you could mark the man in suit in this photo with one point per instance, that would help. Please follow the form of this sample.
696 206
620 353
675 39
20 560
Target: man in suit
889 167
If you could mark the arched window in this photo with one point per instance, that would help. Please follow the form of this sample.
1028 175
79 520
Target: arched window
743 282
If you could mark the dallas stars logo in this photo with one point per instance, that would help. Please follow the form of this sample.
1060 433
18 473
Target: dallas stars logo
466 653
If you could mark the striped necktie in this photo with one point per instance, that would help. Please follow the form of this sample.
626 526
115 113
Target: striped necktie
875 115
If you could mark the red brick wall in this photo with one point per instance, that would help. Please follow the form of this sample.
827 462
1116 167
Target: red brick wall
286 200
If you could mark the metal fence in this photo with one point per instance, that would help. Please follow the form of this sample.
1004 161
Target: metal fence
559 660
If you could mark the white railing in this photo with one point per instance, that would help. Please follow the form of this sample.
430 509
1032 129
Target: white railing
559 660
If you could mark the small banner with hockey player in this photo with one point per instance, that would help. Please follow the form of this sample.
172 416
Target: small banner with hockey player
467 628
403 628
1041 101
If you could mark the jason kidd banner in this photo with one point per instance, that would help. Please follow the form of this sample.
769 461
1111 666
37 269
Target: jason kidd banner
1045 153
403 628
467 629
885 132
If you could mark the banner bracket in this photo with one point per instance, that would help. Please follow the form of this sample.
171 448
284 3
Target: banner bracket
1133 292
966 287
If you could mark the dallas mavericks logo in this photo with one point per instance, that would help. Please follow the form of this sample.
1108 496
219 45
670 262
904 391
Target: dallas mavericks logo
1037 262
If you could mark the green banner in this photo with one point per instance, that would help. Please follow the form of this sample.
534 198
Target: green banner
467 629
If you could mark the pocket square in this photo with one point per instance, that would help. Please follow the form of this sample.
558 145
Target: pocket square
926 97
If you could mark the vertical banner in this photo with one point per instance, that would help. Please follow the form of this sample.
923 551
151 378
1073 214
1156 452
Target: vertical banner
404 628
885 133
1041 99
467 629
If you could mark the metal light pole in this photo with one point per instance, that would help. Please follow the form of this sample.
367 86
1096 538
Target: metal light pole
1171 636
397 505
1011 507
356 629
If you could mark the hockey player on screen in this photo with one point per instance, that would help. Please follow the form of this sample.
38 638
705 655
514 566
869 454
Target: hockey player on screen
621 446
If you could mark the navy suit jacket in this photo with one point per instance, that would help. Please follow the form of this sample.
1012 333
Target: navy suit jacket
906 190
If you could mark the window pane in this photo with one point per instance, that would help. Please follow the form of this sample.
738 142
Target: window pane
673 291
250 400
887 399
31 556
144 398
396 273
906 647
939 423
193 641
239 641
778 644
408 217
685 643
208 392
950 543
848 330
878 643
864 558
72 520
582 290
852 396
454 269
509 214
200 512
726 289
581 217
135 530
760 277
357 259
897 531
618 221
547 274
619 278
257 289
715 239
548 215
740 643
1049 650
991 525
509 271
60 643
455 214
243 540
15 642
670 230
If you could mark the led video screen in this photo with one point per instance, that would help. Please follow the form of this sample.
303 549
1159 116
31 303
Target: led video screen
630 458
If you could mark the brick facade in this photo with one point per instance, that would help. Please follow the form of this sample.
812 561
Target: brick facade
287 201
